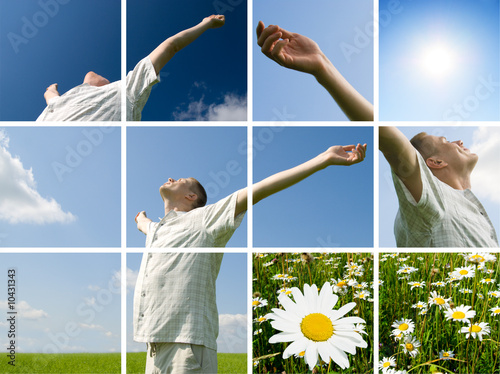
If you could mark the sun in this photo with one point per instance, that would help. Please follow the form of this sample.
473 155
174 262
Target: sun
437 60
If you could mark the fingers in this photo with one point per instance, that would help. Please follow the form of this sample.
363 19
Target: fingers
276 50
260 28
138 214
270 43
269 30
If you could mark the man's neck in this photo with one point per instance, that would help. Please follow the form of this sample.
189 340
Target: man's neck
458 182
177 207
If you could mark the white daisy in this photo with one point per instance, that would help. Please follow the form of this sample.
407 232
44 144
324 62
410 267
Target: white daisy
460 313
446 355
258 302
464 272
476 330
494 294
410 345
405 326
495 311
439 300
416 285
480 257
439 284
386 363
362 295
313 326
488 280
419 305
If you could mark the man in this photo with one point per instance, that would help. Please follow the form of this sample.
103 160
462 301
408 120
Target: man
297 52
174 301
96 99
436 206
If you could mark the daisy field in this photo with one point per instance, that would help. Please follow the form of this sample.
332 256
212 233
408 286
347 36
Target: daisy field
312 313
439 313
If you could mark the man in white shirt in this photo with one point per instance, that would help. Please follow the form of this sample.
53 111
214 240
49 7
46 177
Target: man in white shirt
96 99
174 301
436 206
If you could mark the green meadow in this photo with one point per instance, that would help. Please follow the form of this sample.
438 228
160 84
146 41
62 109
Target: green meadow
105 363
67 363
440 313
229 363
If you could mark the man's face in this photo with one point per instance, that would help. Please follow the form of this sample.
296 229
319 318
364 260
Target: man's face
454 153
94 79
172 187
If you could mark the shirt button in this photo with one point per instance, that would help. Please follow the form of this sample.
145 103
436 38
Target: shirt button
143 294
150 255
142 314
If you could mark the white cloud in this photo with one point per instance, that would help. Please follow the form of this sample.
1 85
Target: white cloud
486 176
233 108
20 202
86 326
24 310
232 333
131 278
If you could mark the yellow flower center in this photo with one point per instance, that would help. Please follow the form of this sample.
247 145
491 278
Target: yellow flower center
417 284
261 319
463 272
255 303
403 327
386 364
446 354
458 315
341 284
290 277
487 280
409 346
302 354
475 328
497 311
478 257
288 292
317 327
439 301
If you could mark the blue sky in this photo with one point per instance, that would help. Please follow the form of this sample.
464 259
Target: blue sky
485 180
339 28
207 79
216 156
231 302
60 187
56 43
65 292
332 208
439 60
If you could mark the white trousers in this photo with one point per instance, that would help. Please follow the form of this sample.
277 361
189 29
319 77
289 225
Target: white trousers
180 358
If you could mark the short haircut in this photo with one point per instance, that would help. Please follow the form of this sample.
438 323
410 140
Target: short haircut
200 193
425 148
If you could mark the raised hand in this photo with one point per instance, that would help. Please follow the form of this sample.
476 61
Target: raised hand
215 21
291 50
346 155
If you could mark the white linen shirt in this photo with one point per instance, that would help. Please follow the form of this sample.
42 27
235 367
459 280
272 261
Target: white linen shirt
443 217
209 226
174 299
90 103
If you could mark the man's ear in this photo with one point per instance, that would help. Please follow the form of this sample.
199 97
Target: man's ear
435 163
191 196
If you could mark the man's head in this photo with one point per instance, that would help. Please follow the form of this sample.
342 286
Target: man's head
439 153
94 79
187 192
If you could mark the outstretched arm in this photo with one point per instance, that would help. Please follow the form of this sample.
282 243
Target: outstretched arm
166 50
142 222
402 157
336 155
297 52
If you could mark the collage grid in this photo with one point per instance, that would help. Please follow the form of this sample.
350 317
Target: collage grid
123 157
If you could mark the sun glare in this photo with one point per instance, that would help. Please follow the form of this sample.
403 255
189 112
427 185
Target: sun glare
438 60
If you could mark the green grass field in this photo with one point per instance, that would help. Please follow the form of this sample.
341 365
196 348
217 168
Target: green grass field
67 363
105 363
229 363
